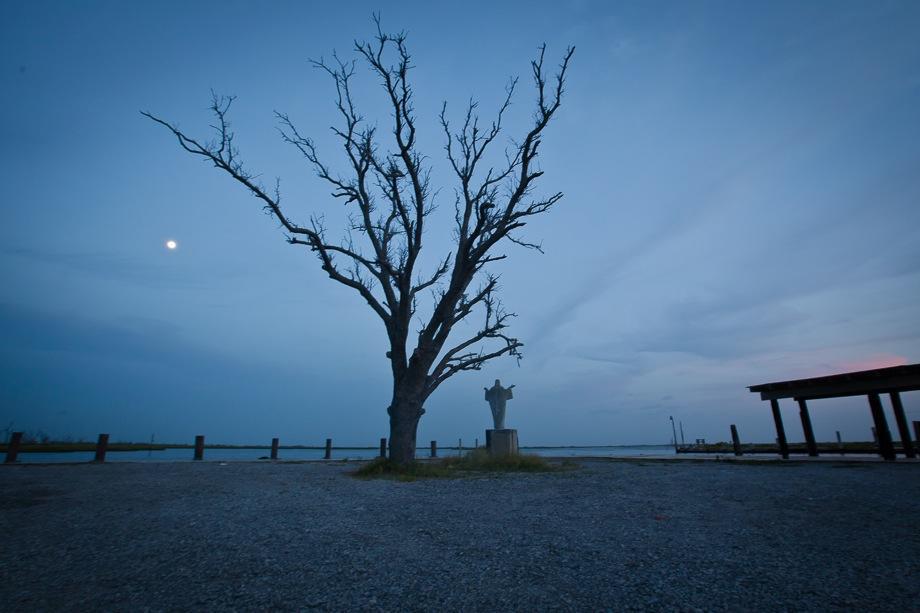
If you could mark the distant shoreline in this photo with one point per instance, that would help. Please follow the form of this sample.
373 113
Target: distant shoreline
62 447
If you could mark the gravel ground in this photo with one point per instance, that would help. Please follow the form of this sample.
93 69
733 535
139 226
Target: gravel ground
638 535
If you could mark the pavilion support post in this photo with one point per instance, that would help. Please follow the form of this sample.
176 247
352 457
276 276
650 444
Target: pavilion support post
901 420
807 429
885 446
736 441
780 430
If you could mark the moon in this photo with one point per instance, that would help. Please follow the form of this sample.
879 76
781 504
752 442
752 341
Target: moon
171 244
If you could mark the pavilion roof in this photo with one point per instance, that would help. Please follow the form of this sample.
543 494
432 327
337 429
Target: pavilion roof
904 378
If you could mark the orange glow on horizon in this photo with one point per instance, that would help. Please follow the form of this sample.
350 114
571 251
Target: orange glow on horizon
872 362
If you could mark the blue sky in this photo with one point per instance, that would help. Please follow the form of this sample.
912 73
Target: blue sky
741 206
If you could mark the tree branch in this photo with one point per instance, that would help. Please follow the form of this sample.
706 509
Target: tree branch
225 157
492 204
457 359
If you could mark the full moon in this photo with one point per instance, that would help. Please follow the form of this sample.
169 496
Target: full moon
171 244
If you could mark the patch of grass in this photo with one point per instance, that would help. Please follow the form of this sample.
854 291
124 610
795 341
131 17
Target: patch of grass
384 468
477 461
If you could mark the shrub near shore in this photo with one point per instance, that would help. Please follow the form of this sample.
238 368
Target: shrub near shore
477 461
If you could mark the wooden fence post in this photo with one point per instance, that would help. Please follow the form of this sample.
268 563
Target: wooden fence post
328 449
434 447
199 447
102 446
12 449
383 447
275 442
736 442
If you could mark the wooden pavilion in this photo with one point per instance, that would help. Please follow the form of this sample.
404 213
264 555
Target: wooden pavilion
870 383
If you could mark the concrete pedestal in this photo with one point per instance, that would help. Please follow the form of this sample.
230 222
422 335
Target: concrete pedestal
502 442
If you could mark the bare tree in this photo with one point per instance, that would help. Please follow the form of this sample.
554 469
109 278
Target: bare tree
392 194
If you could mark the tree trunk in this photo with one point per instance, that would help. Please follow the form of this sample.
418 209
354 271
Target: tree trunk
404 416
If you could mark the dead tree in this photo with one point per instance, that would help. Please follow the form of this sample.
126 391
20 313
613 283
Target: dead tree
392 194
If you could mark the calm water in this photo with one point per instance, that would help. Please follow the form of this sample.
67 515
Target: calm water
248 455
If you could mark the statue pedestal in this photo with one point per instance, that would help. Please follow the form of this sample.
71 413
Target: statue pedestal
502 442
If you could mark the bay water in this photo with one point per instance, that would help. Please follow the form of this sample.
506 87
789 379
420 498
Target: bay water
342 453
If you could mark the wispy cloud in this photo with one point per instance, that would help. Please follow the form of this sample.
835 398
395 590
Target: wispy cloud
141 340
120 267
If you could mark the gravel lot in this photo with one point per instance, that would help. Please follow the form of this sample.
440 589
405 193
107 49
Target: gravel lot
617 535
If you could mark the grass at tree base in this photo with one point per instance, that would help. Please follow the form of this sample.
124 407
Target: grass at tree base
477 461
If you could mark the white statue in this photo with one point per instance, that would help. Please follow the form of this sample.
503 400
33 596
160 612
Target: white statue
497 396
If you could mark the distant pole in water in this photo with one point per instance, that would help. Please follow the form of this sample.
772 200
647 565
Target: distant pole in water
681 433
839 443
674 431
328 455
199 447
459 446
150 449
